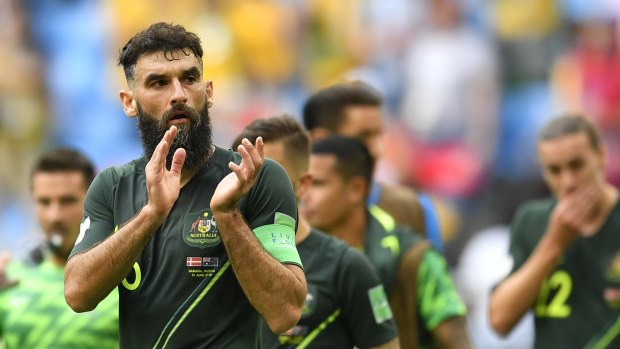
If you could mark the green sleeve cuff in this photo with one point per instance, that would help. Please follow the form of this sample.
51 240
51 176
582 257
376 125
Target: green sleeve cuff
279 241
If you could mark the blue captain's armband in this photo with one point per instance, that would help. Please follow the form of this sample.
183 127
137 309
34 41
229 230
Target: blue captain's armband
278 239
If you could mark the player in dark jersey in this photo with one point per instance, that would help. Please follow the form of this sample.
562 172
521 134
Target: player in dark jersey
566 248
199 240
346 305
33 311
427 309
353 109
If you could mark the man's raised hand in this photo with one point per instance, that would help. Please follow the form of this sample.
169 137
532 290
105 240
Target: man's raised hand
163 185
241 179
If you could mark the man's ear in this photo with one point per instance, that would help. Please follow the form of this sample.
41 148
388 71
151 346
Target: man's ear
319 133
302 185
357 189
209 93
130 106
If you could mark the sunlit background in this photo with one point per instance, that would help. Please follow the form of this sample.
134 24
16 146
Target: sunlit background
467 84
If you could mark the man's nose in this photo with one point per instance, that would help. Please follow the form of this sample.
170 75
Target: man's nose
53 212
178 93
568 182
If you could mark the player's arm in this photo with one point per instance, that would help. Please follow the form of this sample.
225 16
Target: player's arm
516 294
441 309
91 275
452 333
276 290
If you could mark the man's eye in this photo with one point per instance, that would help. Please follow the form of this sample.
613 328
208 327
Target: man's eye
43 202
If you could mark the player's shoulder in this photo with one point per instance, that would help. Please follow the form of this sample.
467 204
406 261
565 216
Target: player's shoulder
333 248
111 176
403 203
273 175
350 263
325 243
271 166
405 233
535 207
129 168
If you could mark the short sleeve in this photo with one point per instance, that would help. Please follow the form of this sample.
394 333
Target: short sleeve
367 315
270 209
437 296
98 221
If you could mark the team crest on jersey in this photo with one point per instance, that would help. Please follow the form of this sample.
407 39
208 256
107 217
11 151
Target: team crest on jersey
200 229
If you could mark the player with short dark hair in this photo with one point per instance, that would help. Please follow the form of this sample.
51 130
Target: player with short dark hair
346 305
353 109
427 309
33 311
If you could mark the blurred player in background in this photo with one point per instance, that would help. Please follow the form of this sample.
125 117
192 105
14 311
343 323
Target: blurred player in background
346 305
427 309
33 311
566 248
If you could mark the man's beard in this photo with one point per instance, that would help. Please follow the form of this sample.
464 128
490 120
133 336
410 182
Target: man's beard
195 136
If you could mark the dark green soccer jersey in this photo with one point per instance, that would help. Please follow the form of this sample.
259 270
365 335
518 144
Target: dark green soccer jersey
34 314
183 292
437 299
346 305
579 303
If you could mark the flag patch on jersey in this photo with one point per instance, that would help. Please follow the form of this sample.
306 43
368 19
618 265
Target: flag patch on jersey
194 261
202 261
210 261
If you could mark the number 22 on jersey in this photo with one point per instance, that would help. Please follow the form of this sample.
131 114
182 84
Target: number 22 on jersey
561 285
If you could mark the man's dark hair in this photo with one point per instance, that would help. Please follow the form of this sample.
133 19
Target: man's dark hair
352 157
285 128
326 108
64 160
160 36
568 125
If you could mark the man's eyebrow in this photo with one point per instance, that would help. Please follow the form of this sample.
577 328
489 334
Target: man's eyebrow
153 77
191 71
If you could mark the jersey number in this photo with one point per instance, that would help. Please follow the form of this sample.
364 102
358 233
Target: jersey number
556 307
136 282
136 268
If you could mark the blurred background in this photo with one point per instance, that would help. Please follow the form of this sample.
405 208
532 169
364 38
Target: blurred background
467 84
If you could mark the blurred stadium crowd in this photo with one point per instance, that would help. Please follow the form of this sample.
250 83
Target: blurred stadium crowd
467 83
